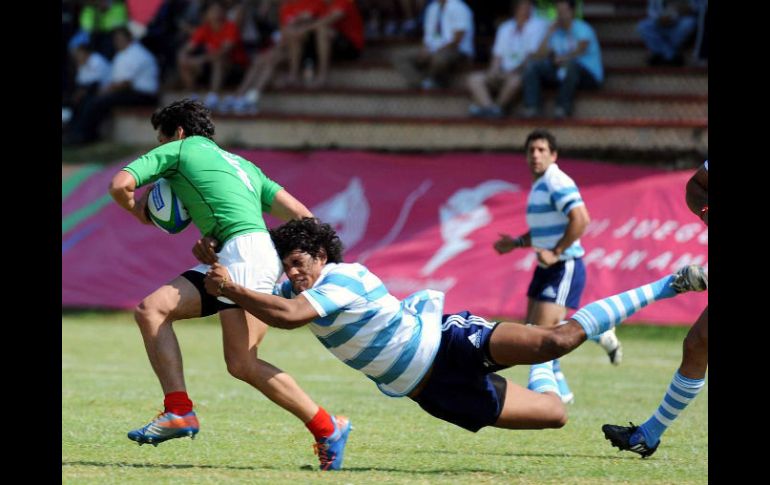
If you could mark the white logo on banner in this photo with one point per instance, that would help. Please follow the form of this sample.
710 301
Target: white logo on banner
462 214
347 212
406 208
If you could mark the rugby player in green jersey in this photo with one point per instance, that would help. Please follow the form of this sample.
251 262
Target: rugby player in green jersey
225 196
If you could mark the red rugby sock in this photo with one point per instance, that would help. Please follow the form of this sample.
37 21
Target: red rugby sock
178 403
321 425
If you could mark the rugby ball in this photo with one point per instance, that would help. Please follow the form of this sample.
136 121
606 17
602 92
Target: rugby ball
165 210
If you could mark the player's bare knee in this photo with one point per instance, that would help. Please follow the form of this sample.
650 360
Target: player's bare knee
560 420
145 314
557 413
236 369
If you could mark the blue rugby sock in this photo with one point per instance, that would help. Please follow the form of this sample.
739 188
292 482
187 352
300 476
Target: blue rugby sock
541 378
680 392
600 316
561 381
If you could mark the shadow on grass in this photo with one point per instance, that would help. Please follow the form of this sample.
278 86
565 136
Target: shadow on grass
168 466
533 455
453 471
185 466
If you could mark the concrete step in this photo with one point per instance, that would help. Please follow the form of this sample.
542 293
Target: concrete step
268 130
593 8
645 80
615 27
666 80
453 104
615 53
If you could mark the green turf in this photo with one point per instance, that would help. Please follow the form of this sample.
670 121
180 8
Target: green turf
109 388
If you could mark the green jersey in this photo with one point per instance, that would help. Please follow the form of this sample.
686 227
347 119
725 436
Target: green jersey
225 194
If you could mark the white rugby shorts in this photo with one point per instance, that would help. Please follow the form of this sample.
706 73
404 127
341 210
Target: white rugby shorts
252 262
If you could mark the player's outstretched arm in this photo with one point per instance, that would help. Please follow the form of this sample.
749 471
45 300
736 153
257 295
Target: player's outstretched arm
273 310
286 207
123 191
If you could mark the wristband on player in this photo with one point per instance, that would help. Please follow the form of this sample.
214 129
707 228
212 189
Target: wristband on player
518 242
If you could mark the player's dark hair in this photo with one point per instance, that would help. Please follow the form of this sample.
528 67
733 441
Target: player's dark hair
571 3
308 235
541 134
192 116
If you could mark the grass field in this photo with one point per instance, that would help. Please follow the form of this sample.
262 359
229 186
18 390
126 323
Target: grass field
108 388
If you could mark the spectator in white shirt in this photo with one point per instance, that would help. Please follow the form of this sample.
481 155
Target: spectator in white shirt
133 81
515 42
93 72
447 43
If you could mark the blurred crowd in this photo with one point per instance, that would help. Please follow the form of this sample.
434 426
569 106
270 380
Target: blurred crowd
229 52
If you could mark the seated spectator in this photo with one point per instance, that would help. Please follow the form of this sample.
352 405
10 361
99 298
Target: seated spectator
93 74
263 66
390 18
301 21
165 33
98 19
447 42
323 29
515 42
668 26
133 82
410 13
338 33
573 61
244 13
215 51
487 17
296 17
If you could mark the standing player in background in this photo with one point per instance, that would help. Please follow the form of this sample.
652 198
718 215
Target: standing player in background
225 196
557 217
691 376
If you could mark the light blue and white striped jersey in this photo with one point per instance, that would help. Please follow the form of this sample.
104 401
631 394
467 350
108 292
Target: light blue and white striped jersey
706 165
551 198
393 343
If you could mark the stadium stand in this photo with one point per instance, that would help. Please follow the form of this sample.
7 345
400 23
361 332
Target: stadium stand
661 112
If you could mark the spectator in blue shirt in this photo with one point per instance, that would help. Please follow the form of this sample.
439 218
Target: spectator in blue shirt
570 59
668 26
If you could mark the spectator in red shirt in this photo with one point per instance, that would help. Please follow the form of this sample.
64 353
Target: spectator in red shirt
215 45
292 15
297 16
338 33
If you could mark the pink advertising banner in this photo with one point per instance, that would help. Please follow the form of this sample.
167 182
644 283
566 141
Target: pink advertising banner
417 221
